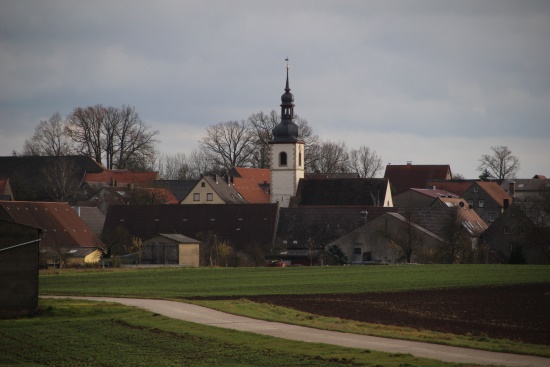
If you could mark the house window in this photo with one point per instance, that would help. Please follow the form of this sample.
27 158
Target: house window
481 203
505 229
203 184
357 250
367 256
491 217
475 189
282 159
470 203
300 159
521 230
209 197
197 197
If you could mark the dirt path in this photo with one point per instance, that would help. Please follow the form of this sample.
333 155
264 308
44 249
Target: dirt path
203 315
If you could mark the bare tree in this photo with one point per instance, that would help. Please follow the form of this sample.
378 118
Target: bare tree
262 125
174 166
59 179
228 144
84 127
116 136
328 157
49 139
500 164
365 162
135 142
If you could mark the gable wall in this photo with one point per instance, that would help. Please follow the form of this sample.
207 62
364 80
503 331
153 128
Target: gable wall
203 193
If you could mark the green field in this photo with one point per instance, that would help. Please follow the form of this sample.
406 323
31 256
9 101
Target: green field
174 283
78 333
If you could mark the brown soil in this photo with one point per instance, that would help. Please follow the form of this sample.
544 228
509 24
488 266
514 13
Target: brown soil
516 312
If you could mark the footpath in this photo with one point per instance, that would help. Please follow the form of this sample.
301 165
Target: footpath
207 316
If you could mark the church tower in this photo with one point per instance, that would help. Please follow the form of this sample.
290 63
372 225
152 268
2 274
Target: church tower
287 152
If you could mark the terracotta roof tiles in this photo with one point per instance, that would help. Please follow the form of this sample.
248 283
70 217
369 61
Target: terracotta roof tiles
61 225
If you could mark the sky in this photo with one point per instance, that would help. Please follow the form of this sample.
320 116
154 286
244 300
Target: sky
432 82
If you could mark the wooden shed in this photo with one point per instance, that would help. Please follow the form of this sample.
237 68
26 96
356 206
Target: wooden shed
171 249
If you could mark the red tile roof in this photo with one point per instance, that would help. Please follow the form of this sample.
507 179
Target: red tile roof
258 175
458 187
122 177
403 177
61 225
495 191
250 191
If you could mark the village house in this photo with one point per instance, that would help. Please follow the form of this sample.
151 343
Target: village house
437 234
416 198
488 199
213 190
5 190
524 189
415 176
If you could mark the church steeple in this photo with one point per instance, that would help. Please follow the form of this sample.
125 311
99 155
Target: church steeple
287 131
287 153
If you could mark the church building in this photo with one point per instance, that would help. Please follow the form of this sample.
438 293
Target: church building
287 153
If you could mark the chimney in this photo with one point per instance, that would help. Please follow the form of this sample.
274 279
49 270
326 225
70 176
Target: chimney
512 188
363 214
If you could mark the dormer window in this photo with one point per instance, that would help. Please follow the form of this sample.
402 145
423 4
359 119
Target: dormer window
282 159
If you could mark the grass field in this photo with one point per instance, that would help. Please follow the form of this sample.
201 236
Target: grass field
137 329
174 283
79 333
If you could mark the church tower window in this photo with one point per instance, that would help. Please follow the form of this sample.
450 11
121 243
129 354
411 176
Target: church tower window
282 159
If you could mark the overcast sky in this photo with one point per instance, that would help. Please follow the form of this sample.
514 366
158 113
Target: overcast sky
432 82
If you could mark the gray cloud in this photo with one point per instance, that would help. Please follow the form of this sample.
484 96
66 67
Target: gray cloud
468 71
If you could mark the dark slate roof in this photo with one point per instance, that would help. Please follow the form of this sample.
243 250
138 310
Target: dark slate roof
322 224
341 191
60 224
241 225
403 177
179 188
435 219
92 216
458 187
226 191
179 238
526 184
24 171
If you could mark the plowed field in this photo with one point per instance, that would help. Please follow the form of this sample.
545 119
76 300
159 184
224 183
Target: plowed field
516 312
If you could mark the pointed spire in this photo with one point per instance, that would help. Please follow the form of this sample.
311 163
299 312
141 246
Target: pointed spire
287 130
287 89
